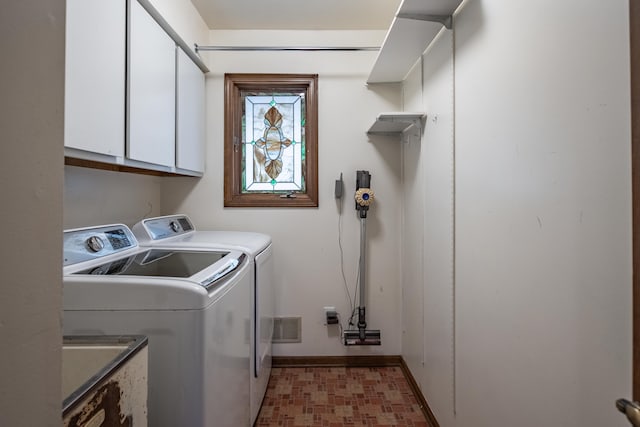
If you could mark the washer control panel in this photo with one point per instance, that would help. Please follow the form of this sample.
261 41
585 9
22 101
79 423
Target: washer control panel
95 244
84 244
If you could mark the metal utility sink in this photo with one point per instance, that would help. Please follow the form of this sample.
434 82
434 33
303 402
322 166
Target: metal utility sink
86 360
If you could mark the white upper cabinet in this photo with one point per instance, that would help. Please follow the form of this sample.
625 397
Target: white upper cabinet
416 24
134 90
151 90
190 119
95 76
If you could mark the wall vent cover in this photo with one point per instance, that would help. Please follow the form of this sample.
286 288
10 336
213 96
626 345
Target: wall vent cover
287 329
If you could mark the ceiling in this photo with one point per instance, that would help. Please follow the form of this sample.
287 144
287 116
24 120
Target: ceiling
297 14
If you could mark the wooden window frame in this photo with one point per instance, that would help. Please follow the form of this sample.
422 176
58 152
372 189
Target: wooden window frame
233 85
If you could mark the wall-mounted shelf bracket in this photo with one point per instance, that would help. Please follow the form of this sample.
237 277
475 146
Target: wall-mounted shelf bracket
445 20
400 123
415 26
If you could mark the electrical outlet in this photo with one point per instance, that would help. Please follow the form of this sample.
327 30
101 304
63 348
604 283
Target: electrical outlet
330 315
328 309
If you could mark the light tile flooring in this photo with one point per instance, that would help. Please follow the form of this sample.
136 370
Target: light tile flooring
338 396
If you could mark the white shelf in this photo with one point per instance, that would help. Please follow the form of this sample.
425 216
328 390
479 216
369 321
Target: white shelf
396 123
416 24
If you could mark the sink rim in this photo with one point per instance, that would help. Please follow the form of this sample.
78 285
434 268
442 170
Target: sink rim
133 343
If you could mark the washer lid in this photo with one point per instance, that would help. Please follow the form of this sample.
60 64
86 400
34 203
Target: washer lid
202 267
89 292
159 263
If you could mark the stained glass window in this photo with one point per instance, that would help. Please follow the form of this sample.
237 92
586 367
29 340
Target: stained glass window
271 140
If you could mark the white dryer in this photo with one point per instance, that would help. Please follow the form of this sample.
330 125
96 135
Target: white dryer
179 231
190 303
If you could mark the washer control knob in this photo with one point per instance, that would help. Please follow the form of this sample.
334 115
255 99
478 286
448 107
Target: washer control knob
95 244
174 226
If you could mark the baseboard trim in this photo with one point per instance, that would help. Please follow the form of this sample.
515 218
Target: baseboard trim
426 410
360 362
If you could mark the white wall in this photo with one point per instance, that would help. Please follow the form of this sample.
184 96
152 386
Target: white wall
428 235
32 87
183 17
95 197
413 236
306 239
542 215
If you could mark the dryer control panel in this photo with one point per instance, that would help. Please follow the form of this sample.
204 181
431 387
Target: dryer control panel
154 229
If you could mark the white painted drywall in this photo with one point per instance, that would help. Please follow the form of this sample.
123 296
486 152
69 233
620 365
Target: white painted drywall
542 235
543 213
429 89
305 240
183 17
95 197
32 123
438 227
412 239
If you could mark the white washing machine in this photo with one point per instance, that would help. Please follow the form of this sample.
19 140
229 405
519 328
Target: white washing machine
179 231
191 303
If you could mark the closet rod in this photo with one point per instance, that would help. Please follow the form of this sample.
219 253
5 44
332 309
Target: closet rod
199 48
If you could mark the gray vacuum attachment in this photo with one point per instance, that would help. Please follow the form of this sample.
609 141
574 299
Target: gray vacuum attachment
362 336
371 337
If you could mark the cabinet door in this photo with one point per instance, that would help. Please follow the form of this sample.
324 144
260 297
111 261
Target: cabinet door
152 74
190 132
95 76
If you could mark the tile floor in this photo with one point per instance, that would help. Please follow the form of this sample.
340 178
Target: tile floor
339 396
